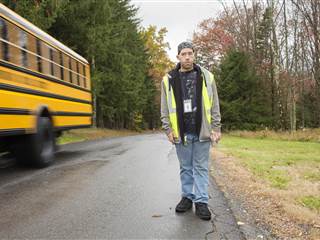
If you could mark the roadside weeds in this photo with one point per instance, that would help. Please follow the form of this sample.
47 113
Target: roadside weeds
79 135
267 206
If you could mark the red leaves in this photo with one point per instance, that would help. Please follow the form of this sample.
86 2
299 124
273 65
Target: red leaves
212 39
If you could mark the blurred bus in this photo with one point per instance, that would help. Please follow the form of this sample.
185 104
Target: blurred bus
44 90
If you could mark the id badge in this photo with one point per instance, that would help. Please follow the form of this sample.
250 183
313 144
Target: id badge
187 106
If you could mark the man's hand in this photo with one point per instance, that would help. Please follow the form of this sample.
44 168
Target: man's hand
170 137
215 136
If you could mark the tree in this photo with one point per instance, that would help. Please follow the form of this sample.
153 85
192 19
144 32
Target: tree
310 10
158 64
42 13
211 41
281 39
106 33
240 100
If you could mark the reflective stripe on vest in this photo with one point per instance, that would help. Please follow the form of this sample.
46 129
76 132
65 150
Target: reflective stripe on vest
207 94
172 107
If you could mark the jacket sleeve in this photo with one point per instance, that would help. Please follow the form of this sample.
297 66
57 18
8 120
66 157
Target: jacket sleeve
215 110
164 111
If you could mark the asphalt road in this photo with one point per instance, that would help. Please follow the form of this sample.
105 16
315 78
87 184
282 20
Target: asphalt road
119 188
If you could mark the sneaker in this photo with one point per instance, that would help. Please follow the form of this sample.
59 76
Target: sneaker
184 205
202 211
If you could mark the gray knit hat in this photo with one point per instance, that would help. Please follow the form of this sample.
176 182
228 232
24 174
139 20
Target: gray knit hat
184 45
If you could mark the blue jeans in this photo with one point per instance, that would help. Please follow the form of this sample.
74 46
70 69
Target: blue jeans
194 173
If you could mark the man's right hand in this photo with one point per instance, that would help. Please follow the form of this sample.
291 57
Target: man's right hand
170 137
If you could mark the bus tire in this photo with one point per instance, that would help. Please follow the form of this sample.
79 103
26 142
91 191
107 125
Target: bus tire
37 150
43 144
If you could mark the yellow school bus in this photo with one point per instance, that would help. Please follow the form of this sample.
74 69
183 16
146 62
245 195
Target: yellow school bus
44 90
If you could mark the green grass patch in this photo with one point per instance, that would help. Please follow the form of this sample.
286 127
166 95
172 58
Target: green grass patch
312 176
78 135
310 202
69 138
270 159
278 179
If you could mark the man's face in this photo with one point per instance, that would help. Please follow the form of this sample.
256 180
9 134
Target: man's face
186 58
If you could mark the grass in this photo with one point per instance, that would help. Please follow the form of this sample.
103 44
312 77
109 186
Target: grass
79 135
312 176
310 202
272 159
277 174
304 135
70 137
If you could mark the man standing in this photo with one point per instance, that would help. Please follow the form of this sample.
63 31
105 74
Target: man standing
190 116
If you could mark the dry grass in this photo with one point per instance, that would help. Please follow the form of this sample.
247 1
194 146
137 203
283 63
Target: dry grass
274 209
93 133
304 135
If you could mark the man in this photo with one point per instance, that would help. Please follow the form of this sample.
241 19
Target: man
190 116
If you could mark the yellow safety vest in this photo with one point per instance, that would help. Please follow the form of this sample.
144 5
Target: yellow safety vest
207 100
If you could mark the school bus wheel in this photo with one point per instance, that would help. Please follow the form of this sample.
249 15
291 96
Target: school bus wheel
44 143
37 150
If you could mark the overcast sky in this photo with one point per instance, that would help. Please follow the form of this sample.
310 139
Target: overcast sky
180 17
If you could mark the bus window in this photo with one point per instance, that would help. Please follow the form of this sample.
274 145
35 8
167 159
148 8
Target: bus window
51 62
70 70
66 67
23 45
56 62
13 38
4 35
78 77
84 76
74 70
32 47
45 59
81 74
39 60
61 66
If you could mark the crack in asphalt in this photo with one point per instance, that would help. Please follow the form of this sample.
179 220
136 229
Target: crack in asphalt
222 235
222 213
214 228
118 153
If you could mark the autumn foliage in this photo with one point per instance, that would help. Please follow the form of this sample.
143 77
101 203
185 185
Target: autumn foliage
280 43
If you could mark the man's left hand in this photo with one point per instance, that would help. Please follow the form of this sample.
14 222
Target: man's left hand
215 136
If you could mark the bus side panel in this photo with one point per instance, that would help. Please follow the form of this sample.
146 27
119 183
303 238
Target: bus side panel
9 99
19 110
13 122
71 121
19 79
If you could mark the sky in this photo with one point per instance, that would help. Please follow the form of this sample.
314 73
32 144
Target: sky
180 17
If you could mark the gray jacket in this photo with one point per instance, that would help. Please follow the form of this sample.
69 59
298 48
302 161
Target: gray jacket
206 129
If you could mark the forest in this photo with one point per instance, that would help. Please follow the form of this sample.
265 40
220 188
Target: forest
266 59
265 56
